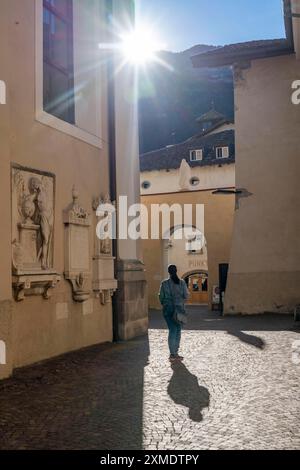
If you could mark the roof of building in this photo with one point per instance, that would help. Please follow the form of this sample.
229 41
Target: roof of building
171 157
211 116
233 53
214 127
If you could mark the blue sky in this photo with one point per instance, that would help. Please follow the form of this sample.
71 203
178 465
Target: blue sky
184 23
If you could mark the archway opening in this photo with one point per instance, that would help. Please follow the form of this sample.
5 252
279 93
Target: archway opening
197 283
186 247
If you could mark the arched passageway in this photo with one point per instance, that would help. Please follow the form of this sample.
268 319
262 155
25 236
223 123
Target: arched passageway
187 249
197 283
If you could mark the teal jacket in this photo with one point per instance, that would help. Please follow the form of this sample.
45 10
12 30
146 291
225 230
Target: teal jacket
171 294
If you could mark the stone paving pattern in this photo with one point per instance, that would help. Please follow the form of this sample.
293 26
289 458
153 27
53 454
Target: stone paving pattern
237 389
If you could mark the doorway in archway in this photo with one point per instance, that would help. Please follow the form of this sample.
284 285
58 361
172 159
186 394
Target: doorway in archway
187 249
197 283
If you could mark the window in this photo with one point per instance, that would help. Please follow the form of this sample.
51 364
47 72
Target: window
195 244
146 184
70 67
222 152
196 155
194 181
58 59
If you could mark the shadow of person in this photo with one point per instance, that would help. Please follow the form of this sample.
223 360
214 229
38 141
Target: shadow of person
185 390
247 338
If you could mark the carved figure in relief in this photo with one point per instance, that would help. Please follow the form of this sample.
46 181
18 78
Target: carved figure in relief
28 208
32 233
105 245
77 211
17 255
34 197
44 218
80 281
104 210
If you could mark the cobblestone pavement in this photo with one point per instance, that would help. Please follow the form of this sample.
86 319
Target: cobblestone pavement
237 389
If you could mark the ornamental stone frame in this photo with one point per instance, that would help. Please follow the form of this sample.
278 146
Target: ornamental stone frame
104 282
77 248
33 195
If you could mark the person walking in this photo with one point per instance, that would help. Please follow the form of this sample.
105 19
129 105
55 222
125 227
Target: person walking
173 295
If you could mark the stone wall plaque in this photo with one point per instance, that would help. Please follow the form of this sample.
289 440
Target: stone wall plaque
77 248
33 194
104 282
79 253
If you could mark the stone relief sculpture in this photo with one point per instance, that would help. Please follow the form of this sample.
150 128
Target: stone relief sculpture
17 256
104 282
35 208
76 211
105 246
32 231
77 259
45 218
106 205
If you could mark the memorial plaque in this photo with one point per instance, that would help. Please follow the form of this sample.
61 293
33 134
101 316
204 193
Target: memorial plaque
32 232
79 249
77 260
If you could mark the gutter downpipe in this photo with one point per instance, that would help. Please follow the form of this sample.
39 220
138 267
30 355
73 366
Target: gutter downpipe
288 21
112 156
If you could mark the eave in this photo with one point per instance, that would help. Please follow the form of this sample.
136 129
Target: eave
230 58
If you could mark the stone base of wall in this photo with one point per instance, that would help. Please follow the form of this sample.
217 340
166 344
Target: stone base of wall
132 301
6 357
254 293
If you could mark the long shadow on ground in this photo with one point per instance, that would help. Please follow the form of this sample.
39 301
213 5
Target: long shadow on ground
93 399
185 390
240 326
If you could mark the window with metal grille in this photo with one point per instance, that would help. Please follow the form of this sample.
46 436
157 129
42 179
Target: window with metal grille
58 59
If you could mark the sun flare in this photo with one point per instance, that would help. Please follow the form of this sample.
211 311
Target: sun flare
140 46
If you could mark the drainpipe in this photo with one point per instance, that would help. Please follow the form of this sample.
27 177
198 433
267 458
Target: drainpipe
295 4
112 154
288 21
